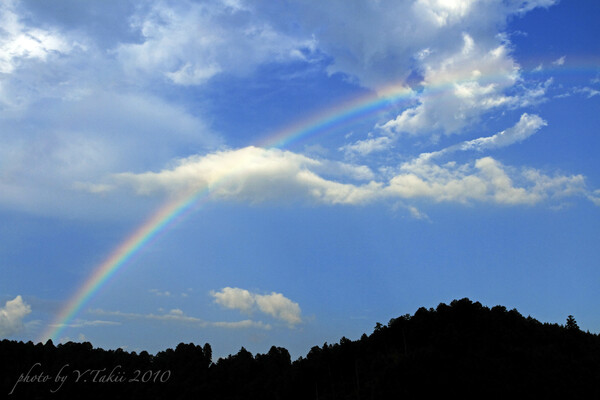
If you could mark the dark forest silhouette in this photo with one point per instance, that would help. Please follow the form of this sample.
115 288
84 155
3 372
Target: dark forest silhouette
462 349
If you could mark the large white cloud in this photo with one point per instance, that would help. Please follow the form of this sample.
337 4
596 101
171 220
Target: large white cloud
459 89
452 52
190 43
380 42
274 304
73 123
50 154
254 174
463 88
11 316
69 116
20 42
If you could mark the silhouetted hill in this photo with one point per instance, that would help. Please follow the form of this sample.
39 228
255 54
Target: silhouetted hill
462 349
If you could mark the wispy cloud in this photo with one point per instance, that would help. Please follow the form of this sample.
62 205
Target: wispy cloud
591 92
160 293
559 61
79 323
178 316
527 125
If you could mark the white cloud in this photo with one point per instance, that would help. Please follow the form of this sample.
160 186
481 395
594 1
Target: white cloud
86 132
190 43
527 126
589 91
594 197
69 116
247 323
160 293
82 119
560 61
485 180
343 170
11 316
557 186
19 42
280 307
386 37
417 214
178 316
53 155
255 174
459 89
275 304
239 299
367 146
79 323
80 338
524 128
454 48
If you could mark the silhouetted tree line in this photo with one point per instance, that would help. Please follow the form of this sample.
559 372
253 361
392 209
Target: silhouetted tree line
462 349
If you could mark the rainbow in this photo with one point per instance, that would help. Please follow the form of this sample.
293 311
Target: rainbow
349 111
176 209
140 238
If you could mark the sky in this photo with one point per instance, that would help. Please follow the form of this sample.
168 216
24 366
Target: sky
288 173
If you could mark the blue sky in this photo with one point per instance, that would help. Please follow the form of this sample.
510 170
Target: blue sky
481 180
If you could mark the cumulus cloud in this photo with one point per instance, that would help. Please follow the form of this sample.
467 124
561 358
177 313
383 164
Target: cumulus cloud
452 51
459 89
458 95
274 304
387 39
254 174
485 180
452 54
11 316
189 43
236 298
